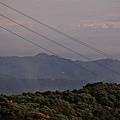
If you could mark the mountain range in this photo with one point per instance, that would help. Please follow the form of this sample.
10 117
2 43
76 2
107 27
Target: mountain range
48 72
12 85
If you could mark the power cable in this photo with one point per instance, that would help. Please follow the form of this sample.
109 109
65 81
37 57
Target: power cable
54 53
62 33
58 14
61 45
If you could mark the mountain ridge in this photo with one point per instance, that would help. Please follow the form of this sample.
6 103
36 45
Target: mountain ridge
44 72
12 85
43 65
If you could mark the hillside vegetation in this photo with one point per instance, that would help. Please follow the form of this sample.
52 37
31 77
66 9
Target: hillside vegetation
98 101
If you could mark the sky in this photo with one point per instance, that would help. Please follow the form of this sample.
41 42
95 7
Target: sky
94 22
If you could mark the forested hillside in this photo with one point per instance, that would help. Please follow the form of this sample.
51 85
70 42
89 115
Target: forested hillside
98 101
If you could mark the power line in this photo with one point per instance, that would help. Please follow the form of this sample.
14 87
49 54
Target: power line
62 33
54 53
56 13
61 45
27 40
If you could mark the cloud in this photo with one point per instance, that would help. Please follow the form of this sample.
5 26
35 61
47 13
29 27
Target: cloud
93 26
114 19
101 25
6 22
87 20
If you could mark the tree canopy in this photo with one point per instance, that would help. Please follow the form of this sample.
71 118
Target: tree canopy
97 101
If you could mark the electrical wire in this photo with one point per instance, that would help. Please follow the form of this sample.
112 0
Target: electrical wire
61 45
58 14
62 33
100 76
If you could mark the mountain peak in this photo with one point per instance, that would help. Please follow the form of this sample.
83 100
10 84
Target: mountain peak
41 54
44 65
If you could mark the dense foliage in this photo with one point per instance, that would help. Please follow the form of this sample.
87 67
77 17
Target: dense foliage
98 101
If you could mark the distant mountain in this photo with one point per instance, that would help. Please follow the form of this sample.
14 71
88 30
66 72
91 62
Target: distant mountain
12 85
47 72
53 67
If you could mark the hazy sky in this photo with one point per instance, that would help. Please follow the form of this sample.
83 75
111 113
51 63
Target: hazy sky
95 22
